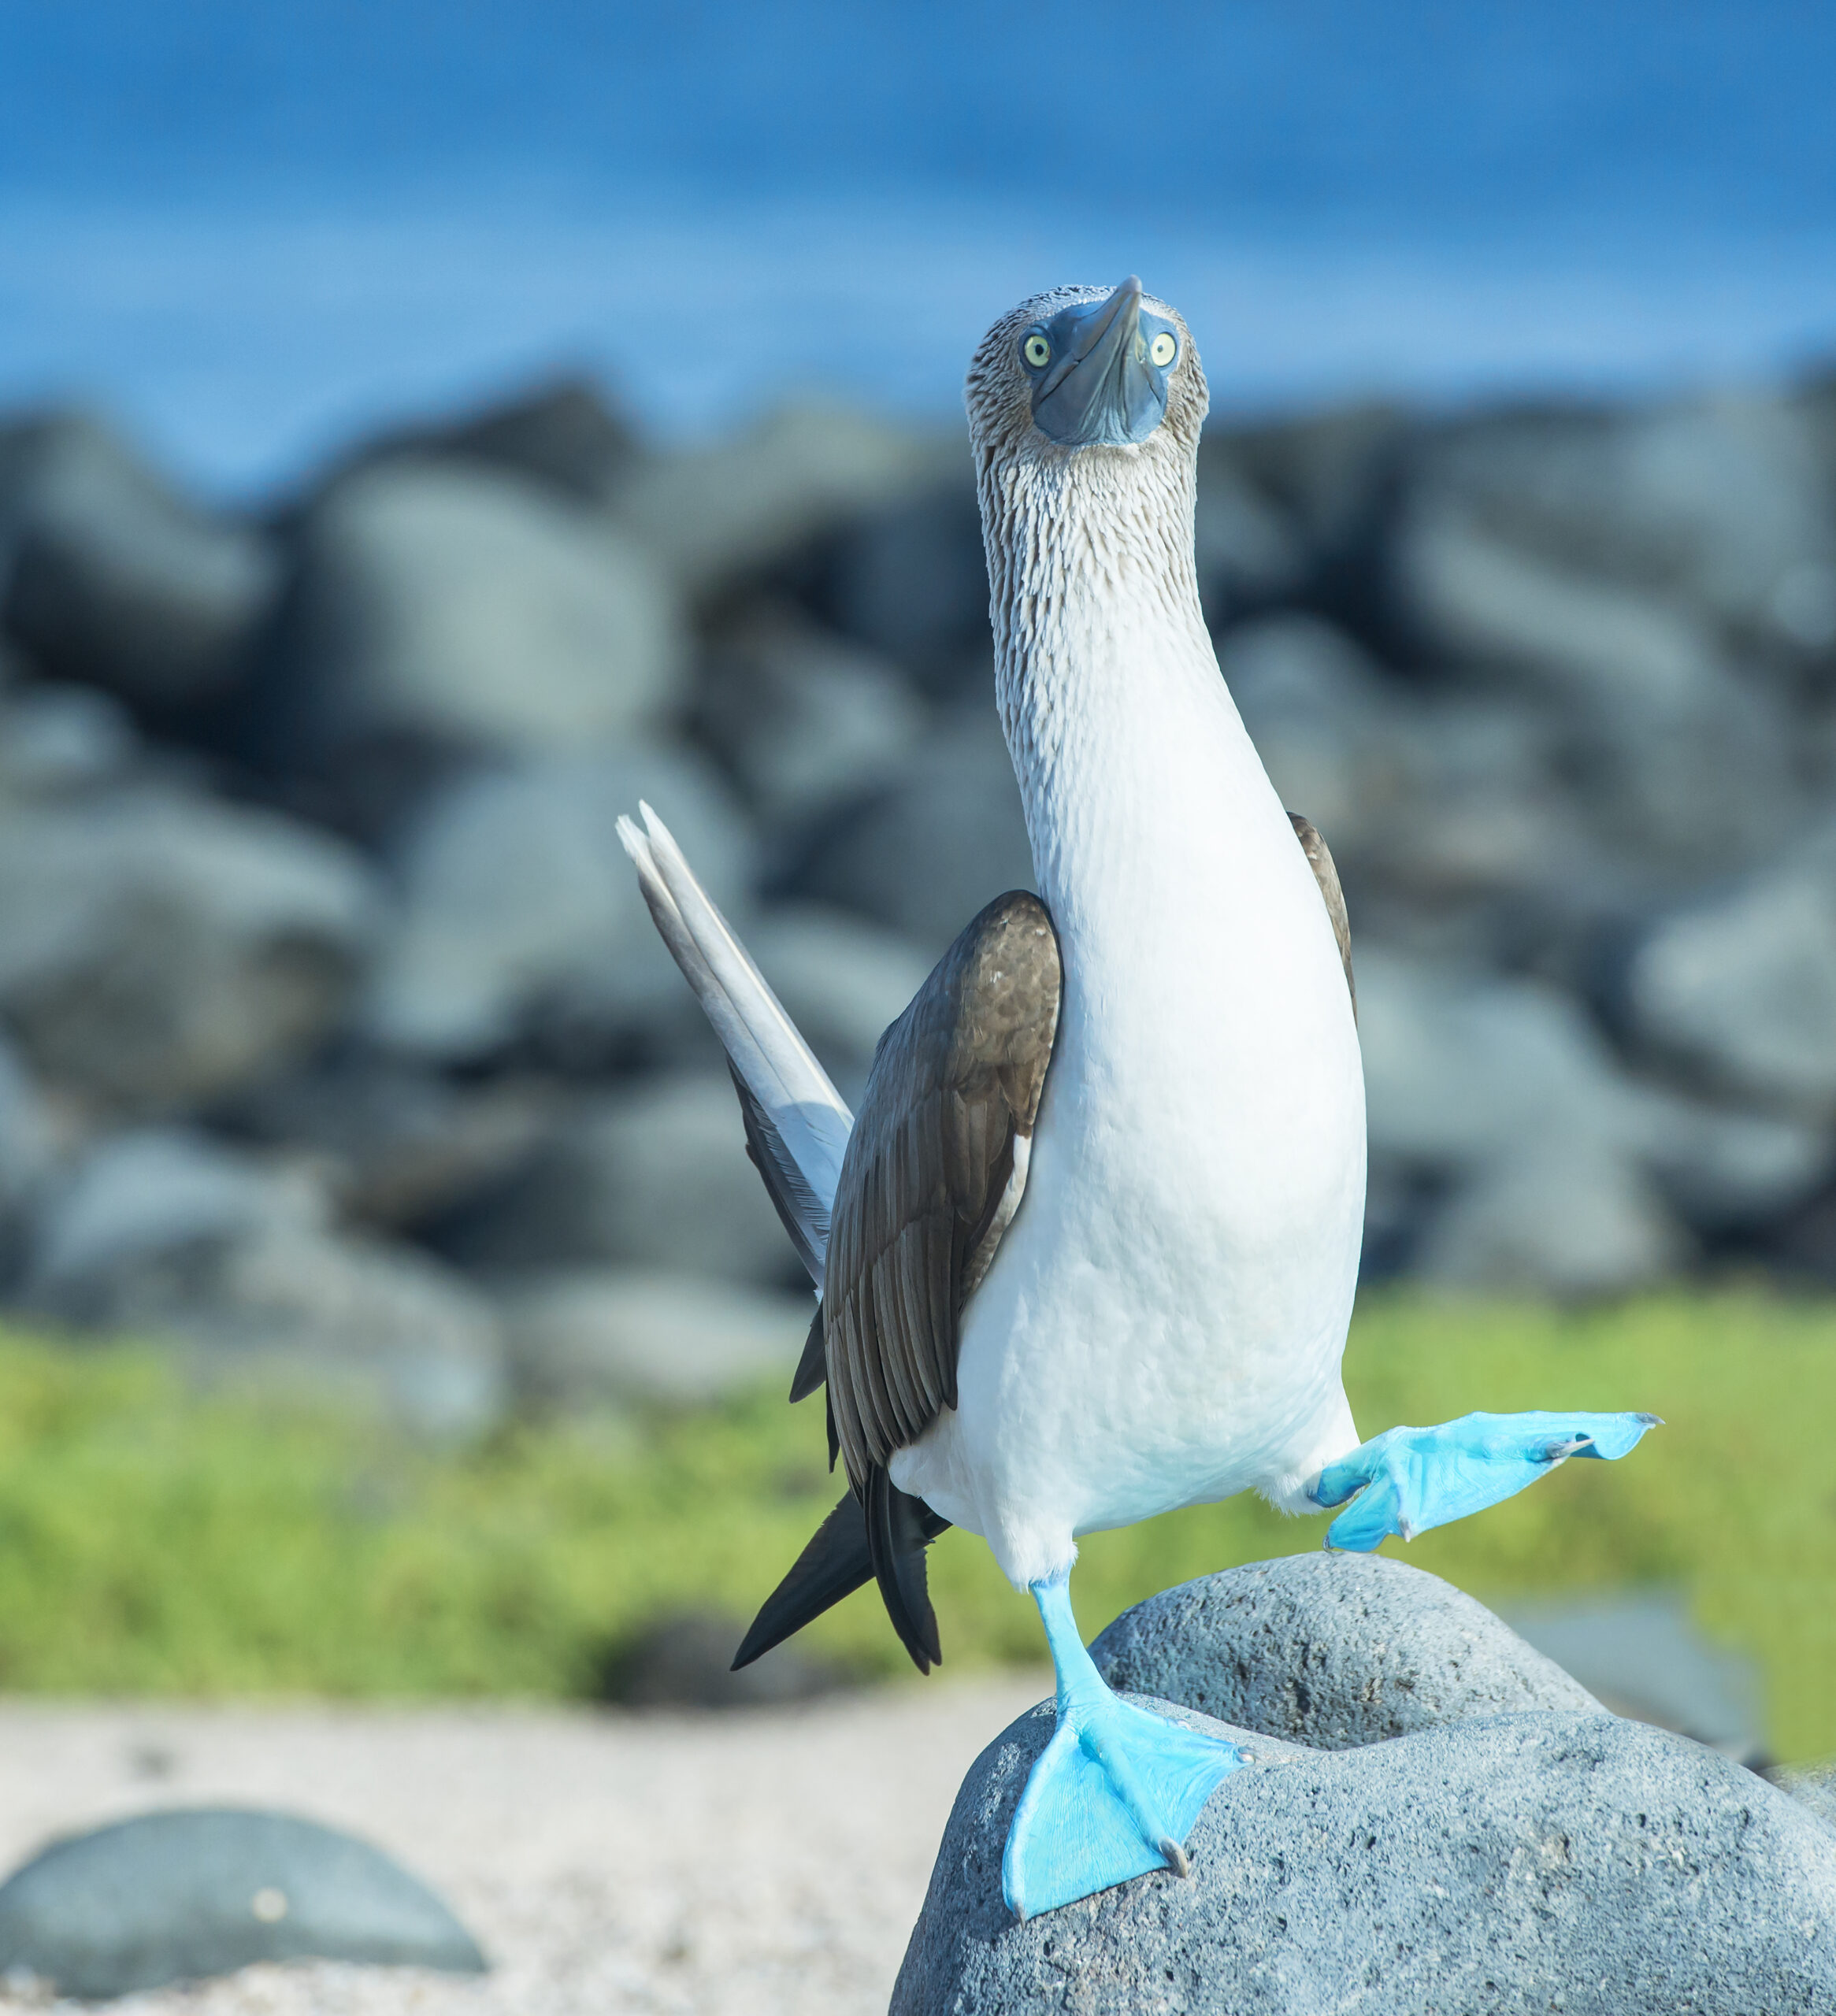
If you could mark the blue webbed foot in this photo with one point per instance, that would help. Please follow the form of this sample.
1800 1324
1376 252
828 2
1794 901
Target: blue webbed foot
1115 1792
1410 1479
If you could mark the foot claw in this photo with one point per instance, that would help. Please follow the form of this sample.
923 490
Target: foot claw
1177 1860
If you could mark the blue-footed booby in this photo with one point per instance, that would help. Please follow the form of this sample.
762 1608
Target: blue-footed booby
1088 1252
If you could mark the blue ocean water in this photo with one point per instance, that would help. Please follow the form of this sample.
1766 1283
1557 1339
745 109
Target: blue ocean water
252 228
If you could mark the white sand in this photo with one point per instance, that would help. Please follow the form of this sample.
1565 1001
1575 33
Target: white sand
745 1862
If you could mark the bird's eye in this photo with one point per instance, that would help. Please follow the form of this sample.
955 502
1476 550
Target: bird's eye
1036 351
1162 349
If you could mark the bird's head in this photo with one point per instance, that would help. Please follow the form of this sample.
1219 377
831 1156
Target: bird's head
1086 368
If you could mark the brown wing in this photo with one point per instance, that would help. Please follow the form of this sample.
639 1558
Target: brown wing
929 1181
1320 858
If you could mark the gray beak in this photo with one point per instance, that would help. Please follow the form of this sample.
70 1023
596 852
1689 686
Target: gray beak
1100 387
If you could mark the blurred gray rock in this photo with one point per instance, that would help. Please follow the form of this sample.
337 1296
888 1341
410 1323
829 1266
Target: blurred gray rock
164 1234
461 607
842 981
1552 1218
655 1176
561 434
716 515
802 718
1717 505
1318 711
620 1336
684 1660
1539 1861
909 580
924 854
1250 552
1740 987
58 738
1430 799
394 1146
1642 1655
186 1895
1502 1089
111 578
519 906
1328 475
157 949
1331 1651
29 1145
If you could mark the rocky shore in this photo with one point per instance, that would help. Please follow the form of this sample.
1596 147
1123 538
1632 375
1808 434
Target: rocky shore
337 1043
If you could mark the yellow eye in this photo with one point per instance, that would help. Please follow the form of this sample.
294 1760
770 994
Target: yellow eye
1162 349
1036 351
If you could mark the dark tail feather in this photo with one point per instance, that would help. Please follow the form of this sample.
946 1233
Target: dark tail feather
838 1558
813 1366
898 1529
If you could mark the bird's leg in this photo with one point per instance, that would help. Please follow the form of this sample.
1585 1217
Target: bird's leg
1115 1792
1407 1480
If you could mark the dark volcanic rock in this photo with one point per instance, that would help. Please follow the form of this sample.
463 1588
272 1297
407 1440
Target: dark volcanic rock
164 1233
926 853
656 1176
158 949
449 606
183 1896
685 1661
111 577
1531 1862
1330 1650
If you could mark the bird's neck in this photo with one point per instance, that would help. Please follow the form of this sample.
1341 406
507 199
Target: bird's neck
1140 785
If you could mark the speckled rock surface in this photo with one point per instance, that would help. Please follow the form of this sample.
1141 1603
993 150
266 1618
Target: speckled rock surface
1530 1862
1331 1651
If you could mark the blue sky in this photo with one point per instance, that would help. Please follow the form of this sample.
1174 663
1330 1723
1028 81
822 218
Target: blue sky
252 228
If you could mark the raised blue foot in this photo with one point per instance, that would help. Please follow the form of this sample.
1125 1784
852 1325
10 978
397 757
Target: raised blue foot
1410 1479
1114 1793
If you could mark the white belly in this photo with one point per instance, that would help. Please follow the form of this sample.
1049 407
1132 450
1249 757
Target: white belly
1164 1320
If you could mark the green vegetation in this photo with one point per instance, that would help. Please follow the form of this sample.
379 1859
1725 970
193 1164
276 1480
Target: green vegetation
152 1540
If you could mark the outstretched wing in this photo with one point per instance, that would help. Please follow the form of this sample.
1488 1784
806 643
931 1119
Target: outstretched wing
1319 858
932 1176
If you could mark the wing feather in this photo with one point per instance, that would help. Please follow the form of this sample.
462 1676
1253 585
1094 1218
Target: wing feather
928 1171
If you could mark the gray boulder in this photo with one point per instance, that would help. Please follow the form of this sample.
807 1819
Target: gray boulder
467 608
395 1146
801 717
518 906
909 580
1525 1863
111 578
164 1234
1561 1171
560 433
1249 551
1718 504
653 1176
1502 1090
842 981
158 950
924 853
1739 987
1642 1654
622 1336
1332 1650
719 515
187 1895
56 738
